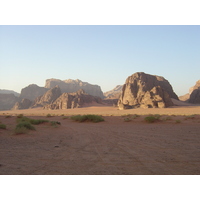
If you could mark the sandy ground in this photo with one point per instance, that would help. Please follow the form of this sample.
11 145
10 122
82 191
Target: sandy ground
110 147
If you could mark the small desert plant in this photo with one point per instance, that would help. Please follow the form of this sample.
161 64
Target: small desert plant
89 118
48 115
21 130
26 125
32 121
2 126
54 123
8 116
65 117
20 116
135 116
127 119
178 121
151 118
190 117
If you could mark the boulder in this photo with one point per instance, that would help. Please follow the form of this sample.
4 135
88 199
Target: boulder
73 100
69 86
23 104
146 91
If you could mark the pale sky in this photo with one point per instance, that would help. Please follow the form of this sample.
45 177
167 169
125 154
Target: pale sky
102 55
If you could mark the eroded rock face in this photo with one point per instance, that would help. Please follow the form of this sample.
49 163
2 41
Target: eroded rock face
7 101
32 91
49 97
69 86
114 93
195 93
23 104
73 100
147 91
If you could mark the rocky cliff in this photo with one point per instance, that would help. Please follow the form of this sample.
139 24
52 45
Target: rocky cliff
69 86
73 100
23 104
114 93
49 97
195 93
7 101
32 91
147 91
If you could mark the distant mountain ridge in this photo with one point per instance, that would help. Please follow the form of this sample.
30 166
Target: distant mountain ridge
3 91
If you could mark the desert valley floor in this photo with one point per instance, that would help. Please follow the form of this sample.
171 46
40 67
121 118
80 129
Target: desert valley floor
170 146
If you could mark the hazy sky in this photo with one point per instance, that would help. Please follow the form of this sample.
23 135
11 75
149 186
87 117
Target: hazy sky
102 55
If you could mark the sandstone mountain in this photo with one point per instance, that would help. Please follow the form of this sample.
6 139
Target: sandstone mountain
7 101
9 92
147 91
73 100
69 86
23 104
49 97
32 91
195 93
114 93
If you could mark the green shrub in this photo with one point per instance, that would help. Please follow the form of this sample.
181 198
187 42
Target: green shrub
48 115
20 116
2 126
127 119
21 130
8 116
26 125
151 119
32 121
54 123
89 118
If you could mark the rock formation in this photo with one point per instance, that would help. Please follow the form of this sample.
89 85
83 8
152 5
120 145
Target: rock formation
23 104
9 92
147 91
114 93
73 100
49 97
7 101
69 86
194 94
32 91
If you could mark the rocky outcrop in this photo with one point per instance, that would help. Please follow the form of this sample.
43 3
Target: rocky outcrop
73 100
69 86
7 101
49 97
9 92
193 96
23 104
195 93
32 91
146 91
114 93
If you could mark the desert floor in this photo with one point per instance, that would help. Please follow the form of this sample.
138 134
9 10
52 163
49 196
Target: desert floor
169 146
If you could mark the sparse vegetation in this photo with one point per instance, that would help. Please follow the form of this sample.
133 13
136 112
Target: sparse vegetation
48 115
127 119
65 117
87 118
152 118
21 130
54 123
31 121
8 116
20 116
26 125
178 121
189 117
2 126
